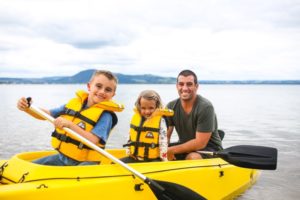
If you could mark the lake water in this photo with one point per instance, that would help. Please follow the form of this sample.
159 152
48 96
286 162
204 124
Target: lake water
267 115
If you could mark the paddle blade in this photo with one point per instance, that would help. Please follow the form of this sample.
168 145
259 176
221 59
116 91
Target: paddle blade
171 191
248 156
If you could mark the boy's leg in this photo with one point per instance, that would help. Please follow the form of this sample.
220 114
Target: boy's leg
89 163
128 160
50 160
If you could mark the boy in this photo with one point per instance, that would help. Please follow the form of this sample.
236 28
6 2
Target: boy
89 114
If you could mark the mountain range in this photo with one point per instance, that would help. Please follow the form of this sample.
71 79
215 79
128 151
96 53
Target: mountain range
84 76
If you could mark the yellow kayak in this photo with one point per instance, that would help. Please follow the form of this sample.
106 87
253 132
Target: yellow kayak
229 174
211 178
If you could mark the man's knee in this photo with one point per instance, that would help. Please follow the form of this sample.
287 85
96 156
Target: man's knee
193 156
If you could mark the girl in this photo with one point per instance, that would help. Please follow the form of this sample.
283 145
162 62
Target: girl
148 129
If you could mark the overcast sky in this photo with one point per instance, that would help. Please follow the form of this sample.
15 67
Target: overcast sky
218 39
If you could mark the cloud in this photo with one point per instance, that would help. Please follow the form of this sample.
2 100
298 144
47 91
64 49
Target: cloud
85 34
220 40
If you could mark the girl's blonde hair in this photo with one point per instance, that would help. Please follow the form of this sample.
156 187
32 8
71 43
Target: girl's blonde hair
149 95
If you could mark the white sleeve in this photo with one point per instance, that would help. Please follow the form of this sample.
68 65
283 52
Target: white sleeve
163 140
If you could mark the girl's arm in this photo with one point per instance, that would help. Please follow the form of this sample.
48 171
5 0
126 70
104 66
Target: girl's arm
163 140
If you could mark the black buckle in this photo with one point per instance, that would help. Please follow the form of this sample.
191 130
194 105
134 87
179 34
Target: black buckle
63 137
152 145
80 146
71 112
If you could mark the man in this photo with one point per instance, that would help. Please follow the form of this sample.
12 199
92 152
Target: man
194 120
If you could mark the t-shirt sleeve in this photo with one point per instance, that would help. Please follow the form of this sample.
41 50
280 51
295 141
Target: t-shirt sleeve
103 127
55 112
170 120
206 120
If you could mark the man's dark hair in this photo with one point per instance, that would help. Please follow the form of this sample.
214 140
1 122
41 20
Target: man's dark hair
188 72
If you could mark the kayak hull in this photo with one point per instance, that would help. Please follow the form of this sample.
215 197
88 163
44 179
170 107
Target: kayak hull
211 178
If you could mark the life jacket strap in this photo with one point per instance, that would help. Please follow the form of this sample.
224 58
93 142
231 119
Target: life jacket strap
67 139
142 129
146 150
141 144
77 114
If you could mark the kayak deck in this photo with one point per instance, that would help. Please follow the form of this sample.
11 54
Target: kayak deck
211 178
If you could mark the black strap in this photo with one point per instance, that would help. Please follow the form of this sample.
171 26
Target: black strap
141 144
142 129
221 134
114 118
146 151
67 139
77 114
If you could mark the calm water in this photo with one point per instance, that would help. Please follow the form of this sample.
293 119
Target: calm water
267 115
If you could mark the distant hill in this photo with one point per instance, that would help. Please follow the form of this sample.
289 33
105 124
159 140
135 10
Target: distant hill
84 77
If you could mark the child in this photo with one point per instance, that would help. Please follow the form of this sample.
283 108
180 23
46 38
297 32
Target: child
148 130
89 114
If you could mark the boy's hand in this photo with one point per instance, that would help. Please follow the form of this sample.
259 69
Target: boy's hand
23 104
61 123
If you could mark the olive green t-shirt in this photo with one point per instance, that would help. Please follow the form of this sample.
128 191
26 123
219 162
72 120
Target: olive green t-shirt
202 118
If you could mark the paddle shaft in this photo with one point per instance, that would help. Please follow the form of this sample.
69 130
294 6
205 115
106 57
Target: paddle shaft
163 190
207 152
88 143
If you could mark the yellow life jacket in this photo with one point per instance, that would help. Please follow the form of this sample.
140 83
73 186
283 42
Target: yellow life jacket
86 119
144 136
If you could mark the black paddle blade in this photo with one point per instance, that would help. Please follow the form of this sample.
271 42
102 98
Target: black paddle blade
249 156
171 191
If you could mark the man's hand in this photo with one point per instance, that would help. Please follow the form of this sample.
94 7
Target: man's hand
171 155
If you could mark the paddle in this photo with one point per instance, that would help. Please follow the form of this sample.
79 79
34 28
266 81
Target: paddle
162 190
248 156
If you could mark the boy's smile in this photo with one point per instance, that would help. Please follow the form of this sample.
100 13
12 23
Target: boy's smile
100 89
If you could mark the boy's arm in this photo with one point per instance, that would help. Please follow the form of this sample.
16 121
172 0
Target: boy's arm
23 105
98 134
61 122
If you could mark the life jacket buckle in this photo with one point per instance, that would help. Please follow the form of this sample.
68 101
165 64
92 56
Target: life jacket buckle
71 112
80 146
63 137
153 145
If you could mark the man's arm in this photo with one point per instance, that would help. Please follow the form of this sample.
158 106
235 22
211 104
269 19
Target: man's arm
169 133
199 142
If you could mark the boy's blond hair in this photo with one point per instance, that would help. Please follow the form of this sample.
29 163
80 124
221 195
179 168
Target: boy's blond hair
149 95
106 73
